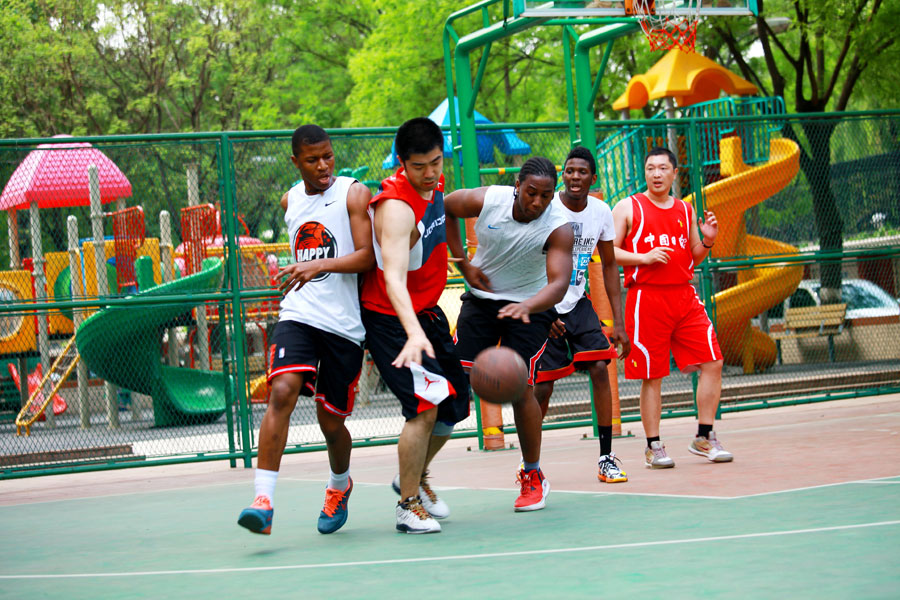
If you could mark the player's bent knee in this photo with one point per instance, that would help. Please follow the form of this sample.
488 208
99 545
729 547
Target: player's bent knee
597 370
283 395
426 416
543 391
330 424
712 366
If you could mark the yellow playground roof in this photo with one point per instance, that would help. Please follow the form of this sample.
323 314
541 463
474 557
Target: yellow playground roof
687 77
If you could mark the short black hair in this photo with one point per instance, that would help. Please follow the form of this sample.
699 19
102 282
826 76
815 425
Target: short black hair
660 151
585 155
306 135
539 166
418 136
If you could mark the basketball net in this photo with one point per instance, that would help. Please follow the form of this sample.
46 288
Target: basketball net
663 28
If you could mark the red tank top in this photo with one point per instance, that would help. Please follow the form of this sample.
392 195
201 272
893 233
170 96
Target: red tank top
652 227
427 258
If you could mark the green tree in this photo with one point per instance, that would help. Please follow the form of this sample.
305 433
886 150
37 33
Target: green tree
398 72
44 46
145 66
309 60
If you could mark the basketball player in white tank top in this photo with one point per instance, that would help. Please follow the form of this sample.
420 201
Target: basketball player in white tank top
577 341
519 272
316 349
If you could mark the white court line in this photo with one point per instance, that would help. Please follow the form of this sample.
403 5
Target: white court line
813 487
880 482
474 489
696 497
762 428
607 494
422 559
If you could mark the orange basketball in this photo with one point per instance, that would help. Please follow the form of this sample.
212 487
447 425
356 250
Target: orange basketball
499 375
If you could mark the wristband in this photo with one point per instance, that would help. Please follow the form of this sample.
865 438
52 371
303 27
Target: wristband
705 246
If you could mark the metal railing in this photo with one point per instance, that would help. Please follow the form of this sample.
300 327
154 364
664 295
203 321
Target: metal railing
160 387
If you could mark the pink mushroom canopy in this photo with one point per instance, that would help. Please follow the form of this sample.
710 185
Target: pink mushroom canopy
56 175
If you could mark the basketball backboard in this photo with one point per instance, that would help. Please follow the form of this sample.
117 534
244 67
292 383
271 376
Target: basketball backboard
619 8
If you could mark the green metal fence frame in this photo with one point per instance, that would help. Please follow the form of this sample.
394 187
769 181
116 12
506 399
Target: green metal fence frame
233 298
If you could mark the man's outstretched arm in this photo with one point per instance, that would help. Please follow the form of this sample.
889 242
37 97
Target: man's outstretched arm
395 222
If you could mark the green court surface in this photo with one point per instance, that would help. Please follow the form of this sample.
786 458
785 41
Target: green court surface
834 541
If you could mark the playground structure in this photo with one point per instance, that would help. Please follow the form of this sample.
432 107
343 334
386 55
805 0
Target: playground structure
110 342
727 180
739 168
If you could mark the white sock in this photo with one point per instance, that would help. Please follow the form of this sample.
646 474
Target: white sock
339 481
265 483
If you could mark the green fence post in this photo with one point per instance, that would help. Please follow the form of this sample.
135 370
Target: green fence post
586 91
232 256
696 166
569 35
228 383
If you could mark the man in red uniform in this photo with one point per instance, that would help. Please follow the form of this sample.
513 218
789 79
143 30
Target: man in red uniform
407 333
658 243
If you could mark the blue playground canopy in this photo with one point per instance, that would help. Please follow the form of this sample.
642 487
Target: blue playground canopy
505 139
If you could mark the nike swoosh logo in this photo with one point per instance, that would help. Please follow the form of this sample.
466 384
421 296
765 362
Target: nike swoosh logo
330 203
492 227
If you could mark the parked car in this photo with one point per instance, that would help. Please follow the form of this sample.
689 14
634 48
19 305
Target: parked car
863 299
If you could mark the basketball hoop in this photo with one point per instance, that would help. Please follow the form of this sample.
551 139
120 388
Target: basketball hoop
667 23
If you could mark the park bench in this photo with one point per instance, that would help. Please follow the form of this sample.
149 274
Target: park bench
812 321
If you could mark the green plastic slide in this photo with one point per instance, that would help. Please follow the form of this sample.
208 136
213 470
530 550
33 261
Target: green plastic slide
122 345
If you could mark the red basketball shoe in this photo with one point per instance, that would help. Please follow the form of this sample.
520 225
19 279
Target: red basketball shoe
535 489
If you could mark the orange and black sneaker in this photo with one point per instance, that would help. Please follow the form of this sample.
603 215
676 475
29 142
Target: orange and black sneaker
535 489
258 516
334 513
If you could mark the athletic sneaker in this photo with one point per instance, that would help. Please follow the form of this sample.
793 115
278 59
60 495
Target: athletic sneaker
258 516
609 471
710 448
436 507
655 457
334 513
413 518
535 489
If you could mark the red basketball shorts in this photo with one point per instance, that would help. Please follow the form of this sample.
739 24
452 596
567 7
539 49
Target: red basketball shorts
667 318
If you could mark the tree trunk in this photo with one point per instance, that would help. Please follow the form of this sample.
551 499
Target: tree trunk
829 223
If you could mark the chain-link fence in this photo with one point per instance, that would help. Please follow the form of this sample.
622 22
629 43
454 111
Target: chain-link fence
162 356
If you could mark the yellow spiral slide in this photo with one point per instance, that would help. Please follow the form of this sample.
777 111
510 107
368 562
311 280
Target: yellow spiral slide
758 289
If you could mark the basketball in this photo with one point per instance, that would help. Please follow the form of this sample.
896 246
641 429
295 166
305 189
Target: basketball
499 375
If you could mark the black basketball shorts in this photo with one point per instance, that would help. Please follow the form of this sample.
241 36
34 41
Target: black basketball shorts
438 381
478 328
331 363
583 342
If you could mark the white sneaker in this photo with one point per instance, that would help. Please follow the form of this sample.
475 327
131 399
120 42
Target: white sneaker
655 457
710 448
436 507
413 518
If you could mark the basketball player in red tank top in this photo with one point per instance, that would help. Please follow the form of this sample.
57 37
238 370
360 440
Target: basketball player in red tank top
658 243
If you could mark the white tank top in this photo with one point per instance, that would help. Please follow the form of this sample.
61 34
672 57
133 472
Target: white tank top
319 227
592 225
511 253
